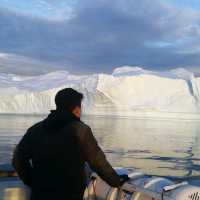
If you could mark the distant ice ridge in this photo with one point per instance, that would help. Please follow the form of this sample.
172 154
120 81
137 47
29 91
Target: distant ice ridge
128 91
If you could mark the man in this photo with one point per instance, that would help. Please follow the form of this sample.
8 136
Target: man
50 157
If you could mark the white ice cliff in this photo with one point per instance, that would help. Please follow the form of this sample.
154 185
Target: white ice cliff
128 91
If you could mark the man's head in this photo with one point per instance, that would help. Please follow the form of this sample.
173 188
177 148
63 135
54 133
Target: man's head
69 99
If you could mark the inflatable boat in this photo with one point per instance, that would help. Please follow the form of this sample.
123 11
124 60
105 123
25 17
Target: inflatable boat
139 187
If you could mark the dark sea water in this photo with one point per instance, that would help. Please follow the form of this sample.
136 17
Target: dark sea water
160 147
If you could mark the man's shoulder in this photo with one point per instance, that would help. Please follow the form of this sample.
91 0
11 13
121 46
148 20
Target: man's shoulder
35 126
79 125
80 130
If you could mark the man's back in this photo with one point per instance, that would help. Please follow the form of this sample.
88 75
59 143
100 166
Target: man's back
57 163
58 148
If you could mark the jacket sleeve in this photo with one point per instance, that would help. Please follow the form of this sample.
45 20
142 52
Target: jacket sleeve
96 158
21 159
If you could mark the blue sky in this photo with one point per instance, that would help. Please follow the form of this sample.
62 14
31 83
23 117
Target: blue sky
40 8
194 4
50 8
97 36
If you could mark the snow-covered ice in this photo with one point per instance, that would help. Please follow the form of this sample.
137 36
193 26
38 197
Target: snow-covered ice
128 91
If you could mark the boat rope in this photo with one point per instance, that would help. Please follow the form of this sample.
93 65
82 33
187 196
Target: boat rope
94 189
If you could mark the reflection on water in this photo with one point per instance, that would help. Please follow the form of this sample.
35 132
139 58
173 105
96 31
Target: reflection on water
167 148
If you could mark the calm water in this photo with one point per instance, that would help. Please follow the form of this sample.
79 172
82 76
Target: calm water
167 148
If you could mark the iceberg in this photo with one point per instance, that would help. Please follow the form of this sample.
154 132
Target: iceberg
128 91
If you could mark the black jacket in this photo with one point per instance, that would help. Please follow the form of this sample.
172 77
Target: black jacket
50 158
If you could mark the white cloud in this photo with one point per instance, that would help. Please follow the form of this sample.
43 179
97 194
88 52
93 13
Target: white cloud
16 64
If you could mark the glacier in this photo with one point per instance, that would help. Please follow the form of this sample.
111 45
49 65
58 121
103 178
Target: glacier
127 91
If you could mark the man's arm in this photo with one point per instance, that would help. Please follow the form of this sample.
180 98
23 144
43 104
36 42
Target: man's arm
96 158
21 159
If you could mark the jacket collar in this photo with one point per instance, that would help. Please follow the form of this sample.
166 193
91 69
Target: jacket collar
57 119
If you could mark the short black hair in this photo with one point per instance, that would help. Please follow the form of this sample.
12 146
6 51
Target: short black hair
68 99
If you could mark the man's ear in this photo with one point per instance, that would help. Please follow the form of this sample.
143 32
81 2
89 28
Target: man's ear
77 111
